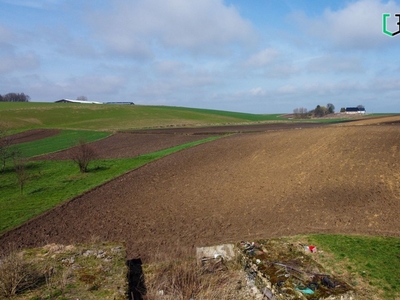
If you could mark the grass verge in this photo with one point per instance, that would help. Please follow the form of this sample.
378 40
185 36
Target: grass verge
97 270
52 182
371 262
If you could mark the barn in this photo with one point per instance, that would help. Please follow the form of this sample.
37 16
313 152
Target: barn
77 101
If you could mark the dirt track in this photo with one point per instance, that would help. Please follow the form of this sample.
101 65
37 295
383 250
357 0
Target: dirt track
318 180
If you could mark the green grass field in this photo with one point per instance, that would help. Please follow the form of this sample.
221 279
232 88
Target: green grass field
105 117
62 141
375 259
52 182
111 117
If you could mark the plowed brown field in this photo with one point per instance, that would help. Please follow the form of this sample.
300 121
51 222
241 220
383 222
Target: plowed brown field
333 179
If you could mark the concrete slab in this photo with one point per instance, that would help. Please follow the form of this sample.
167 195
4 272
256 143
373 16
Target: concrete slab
226 251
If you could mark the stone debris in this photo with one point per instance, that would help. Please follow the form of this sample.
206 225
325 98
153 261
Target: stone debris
281 271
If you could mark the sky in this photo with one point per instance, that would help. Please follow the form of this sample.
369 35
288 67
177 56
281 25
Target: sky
258 56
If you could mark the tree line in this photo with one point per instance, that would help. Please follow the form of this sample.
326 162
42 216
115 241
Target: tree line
318 111
14 97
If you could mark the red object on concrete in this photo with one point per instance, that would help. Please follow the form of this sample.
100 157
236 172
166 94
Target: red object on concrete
312 249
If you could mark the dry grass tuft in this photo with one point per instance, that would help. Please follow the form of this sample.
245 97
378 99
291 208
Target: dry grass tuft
184 279
89 271
17 275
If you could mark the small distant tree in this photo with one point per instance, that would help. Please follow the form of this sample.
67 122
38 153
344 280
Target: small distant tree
320 111
82 155
20 171
296 113
303 112
6 151
82 98
343 109
331 108
300 113
360 106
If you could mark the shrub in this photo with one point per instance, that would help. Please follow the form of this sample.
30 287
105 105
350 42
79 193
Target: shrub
17 275
82 155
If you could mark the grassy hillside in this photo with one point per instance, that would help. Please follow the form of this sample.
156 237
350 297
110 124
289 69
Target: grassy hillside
24 116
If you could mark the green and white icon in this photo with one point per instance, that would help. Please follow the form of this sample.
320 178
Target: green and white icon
384 25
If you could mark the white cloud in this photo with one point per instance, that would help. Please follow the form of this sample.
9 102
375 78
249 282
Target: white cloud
283 70
287 89
258 91
331 63
358 25
61 39
203 27
169 67
17 62
182 80
262 58
96 84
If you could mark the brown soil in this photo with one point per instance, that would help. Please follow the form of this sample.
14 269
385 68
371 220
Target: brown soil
137 142
33 135
332 179
123 145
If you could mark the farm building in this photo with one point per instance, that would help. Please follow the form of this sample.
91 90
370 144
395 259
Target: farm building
122 103
77 101
355 110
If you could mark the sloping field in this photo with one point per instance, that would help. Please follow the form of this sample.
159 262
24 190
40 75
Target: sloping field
255 185
123 145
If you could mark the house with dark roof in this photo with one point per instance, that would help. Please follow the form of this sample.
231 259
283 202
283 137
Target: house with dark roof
355 110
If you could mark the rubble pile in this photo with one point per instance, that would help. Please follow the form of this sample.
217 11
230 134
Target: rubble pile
282 270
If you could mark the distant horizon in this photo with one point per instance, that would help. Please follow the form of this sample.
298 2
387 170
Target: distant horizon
337 110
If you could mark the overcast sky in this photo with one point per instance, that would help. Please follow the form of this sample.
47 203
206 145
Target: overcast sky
257 56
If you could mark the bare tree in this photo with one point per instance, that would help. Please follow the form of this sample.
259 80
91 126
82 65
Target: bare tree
303 112
82 155
296 112
20 171
300 113
6 151
82 98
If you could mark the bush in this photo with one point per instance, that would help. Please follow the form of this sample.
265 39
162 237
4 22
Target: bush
16 275
82 155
